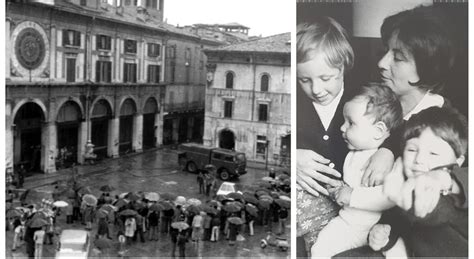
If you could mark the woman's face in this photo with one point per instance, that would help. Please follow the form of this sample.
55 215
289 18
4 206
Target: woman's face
398 67
321 82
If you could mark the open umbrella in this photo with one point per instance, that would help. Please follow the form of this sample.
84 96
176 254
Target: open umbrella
121 202
284 197
168 196
37 222
193 209
156 207
283 177
283 203
266 197
235 220
101 213
103 243
268 179
90 199
266 185
132 196
107 188
128 212
235 196
108 207
180 225
261 192
84 190
231 207
264 204
252 210
250 199
60 204
208 209
166 205
123 195
152 196
220 197
214 203
194 201
12 213
275 195
180 200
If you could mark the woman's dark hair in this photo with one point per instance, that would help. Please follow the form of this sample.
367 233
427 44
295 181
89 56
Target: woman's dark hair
426 34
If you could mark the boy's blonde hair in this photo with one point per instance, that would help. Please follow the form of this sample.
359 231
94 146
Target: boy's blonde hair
328 37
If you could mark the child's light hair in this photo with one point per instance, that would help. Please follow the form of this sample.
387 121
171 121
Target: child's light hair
446 123
382 104
327 37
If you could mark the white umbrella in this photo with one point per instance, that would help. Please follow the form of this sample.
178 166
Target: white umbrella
60 204
180 200
194 201
152 196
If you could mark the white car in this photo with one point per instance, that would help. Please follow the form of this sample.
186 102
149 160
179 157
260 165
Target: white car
74 243
226 188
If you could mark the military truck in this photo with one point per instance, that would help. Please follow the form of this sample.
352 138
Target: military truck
229 164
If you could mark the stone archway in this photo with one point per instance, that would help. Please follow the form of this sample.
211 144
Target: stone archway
127 114
100 129
227 139
149 114
68 131
27 136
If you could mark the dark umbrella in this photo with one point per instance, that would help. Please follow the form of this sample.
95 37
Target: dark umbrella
101 213
274 195
156 207
283 177
166 205
84 190
261 192
103 243
250 199
265 185
193 209
132 196
108 207
252 210
283 203
214 203
168 196
37 222
231 207
227 200
181 225
107 188
14 213
220 198
265 197
120 203
264 204
90 199
209 210
235 196
128 212
235 220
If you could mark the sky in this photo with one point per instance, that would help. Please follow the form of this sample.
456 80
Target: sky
264 17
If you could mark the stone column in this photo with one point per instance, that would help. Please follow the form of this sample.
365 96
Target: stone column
110 140
49 147
137 136
8 49
114 143
82 137
9 131
52 53
158 129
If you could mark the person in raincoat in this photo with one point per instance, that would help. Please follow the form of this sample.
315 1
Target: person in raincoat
130 228
88 216
206 224
200 180
182 239
283 216
103 228
153 221
197 226
232 236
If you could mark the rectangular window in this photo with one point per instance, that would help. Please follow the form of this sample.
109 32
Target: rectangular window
154 74
71 38
151 4
187 55
261 145
70 70
104 42
262 112
172 71
228 109
103 71
171 53
130 73
153 50
131 46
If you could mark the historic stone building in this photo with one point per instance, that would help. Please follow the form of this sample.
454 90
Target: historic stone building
248 102
103 74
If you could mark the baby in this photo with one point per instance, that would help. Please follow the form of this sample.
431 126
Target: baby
435 140
368 119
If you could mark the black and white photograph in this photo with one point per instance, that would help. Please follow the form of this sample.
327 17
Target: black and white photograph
382 132
148 128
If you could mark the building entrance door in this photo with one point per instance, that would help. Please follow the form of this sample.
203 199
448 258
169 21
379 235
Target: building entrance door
227 139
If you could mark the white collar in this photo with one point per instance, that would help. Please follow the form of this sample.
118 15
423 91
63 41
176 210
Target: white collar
428 100
326 113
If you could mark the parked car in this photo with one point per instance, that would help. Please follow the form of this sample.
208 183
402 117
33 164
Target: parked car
229 164
74 243
228 187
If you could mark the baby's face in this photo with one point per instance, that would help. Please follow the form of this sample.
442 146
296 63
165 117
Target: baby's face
320 82
358 130
426 152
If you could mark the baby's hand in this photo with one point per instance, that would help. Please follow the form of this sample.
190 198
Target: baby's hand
379 236
341 194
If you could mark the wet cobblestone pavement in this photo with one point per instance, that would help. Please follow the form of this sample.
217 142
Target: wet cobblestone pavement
156 171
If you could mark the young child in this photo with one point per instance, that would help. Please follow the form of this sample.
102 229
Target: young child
368 119
435 140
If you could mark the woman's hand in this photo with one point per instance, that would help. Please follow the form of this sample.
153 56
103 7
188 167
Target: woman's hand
377 167
379 236
309 168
